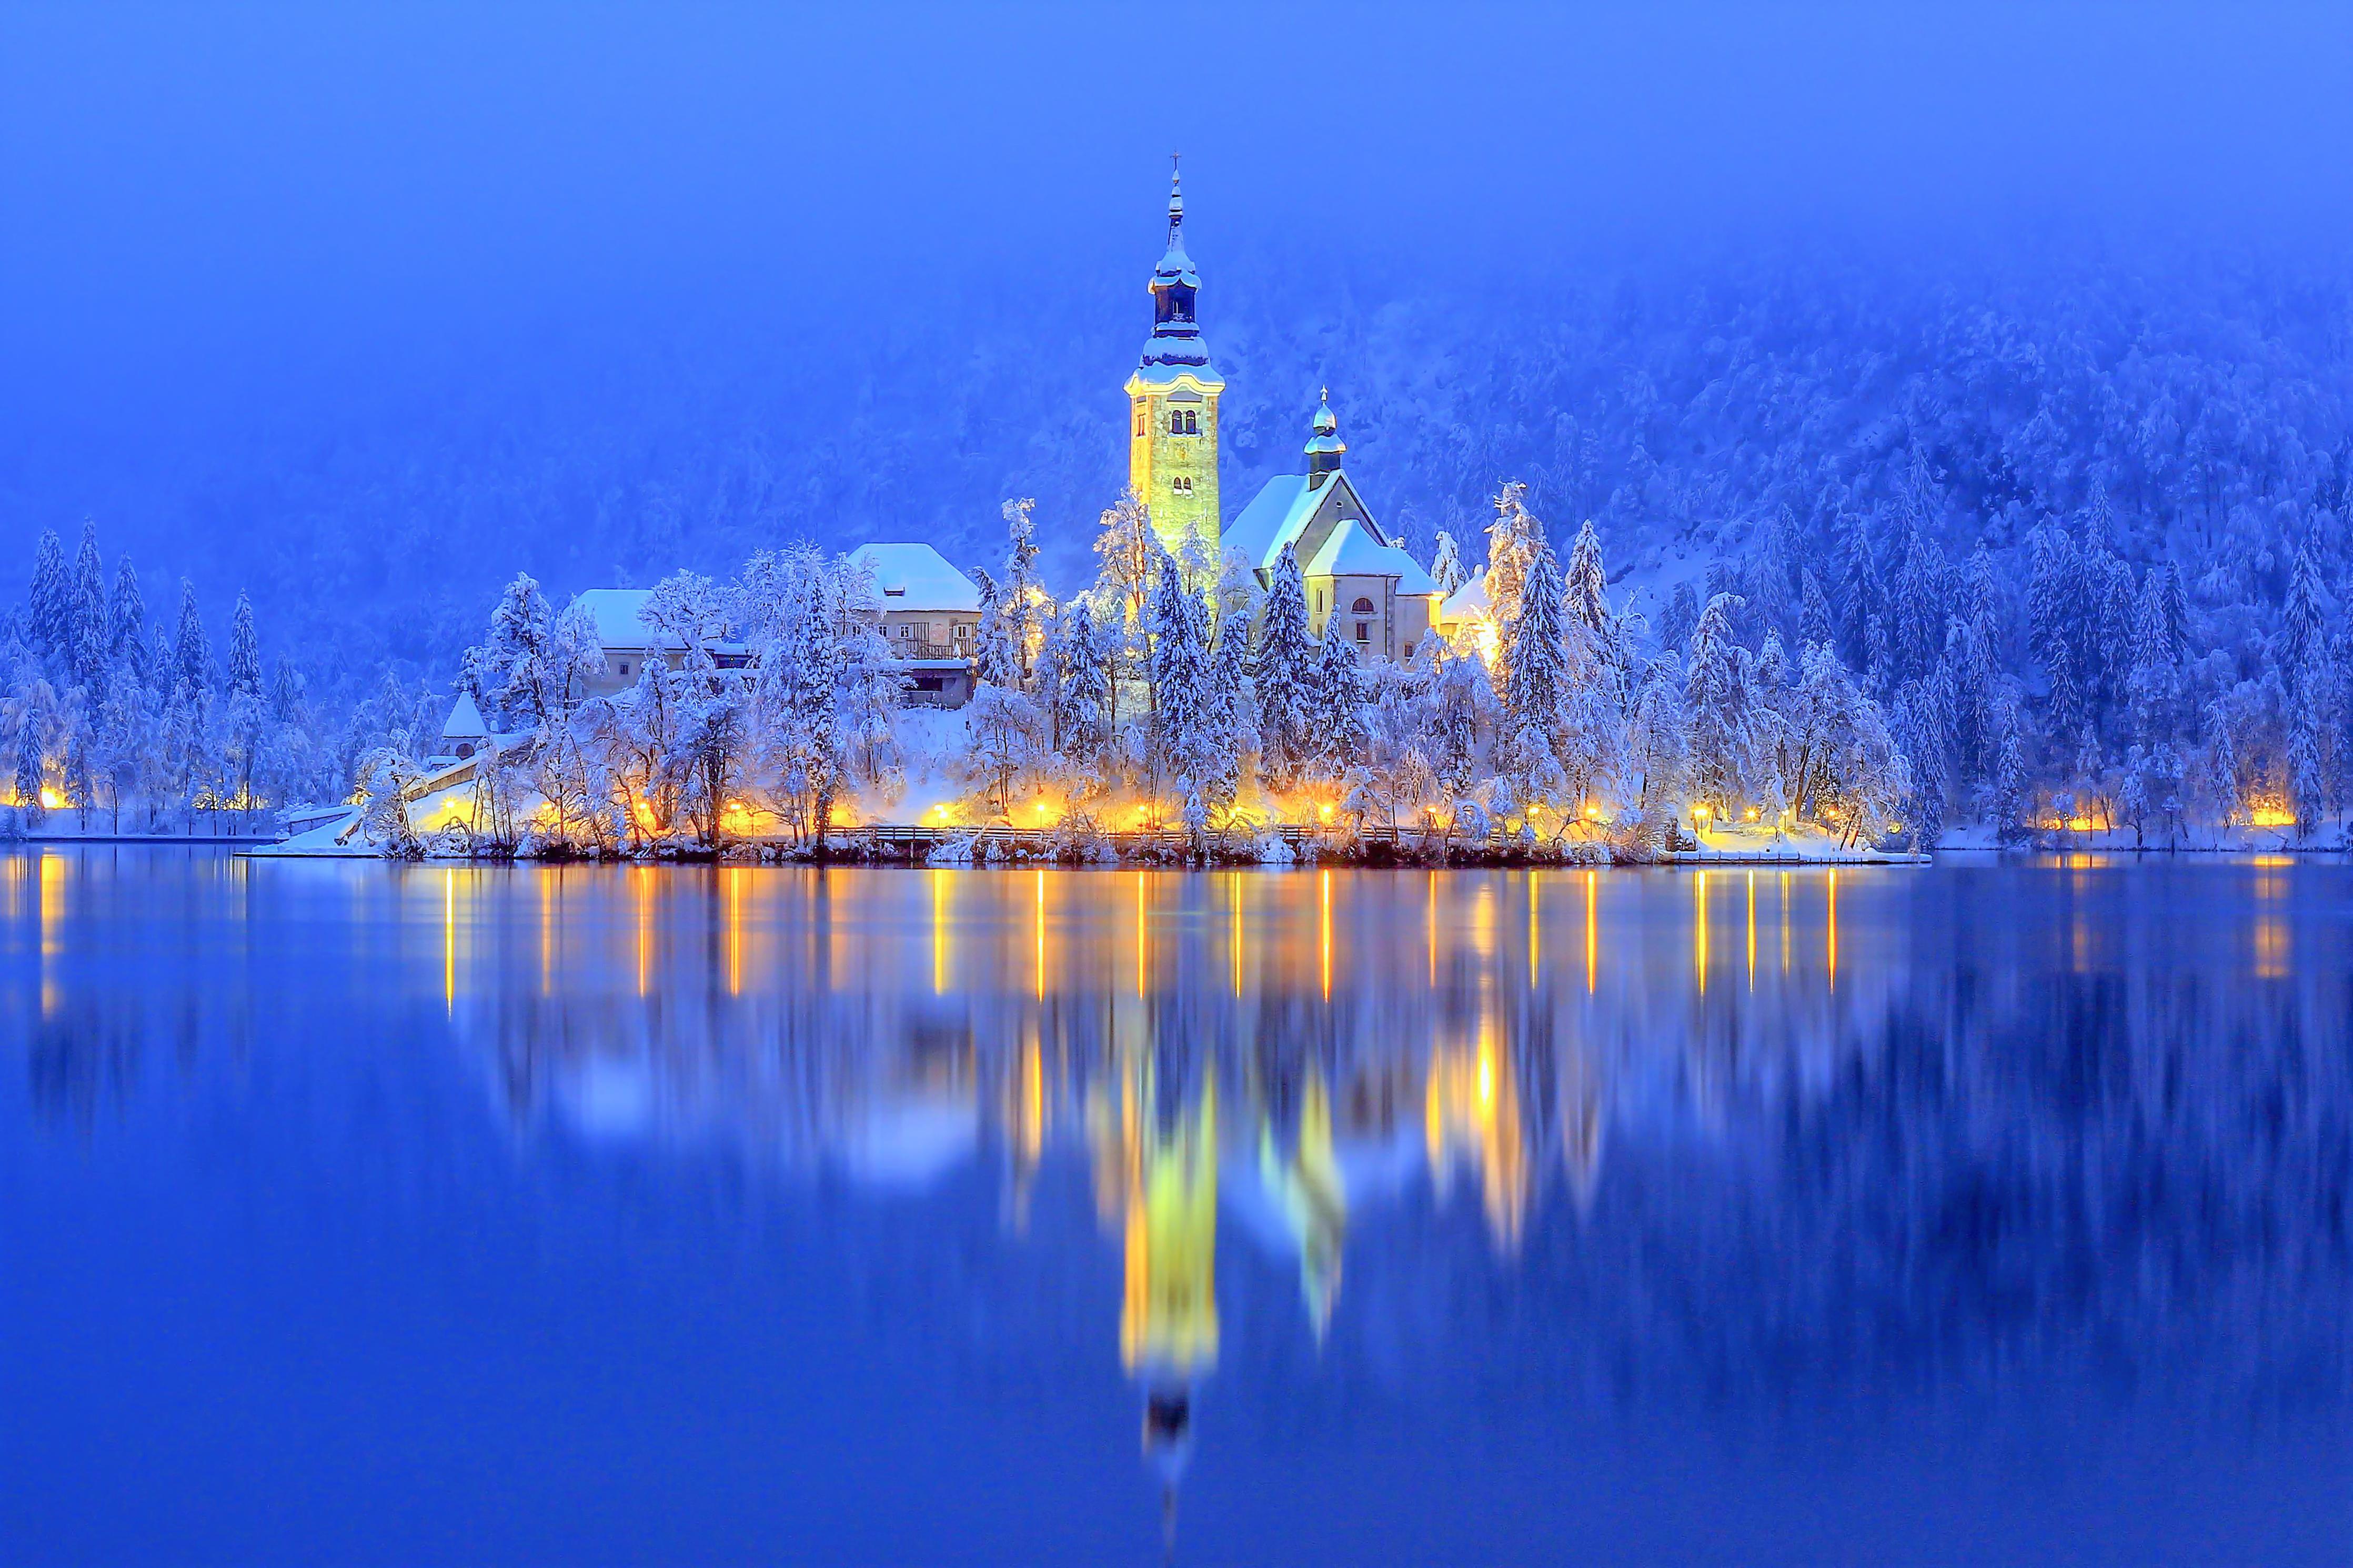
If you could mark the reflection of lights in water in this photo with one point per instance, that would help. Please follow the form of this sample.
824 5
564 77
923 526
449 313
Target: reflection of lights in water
734 877
449 941
1143 939
1830 934
940 933
1041 936
641 880
53 874
547 931
1533 945
1699 929
1592 930
1752 929
2271 932
1325 933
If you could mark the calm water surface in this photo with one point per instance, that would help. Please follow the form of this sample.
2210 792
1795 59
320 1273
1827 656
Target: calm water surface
358 1212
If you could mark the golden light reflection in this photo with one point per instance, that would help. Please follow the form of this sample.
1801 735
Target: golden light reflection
732 880
1471 1103
1752 930
1830 934
1142 942
940 933
1533 946
1041 936
2270 930
1237 887
1699 929
1592 931
547 932
641 886
53 874
1324 928
1430 928
450 941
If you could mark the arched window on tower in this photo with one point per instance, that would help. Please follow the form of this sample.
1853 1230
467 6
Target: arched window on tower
1363 606
1192 423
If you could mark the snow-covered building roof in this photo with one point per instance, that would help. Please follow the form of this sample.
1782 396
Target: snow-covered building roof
616 613
917 577
1275 517
1351 550
1468 602
465 721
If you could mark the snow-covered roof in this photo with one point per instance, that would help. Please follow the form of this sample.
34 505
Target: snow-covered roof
1351 551
616 613
465 721
1273 519
1469 602
917 577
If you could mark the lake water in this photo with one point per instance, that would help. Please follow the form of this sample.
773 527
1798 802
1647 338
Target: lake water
364 1213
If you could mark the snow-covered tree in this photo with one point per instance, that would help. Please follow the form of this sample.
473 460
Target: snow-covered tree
1513 540
1021 600
1337 705
48 614
995 661
1720 705
1078 686
1286 676
1446 568
88 641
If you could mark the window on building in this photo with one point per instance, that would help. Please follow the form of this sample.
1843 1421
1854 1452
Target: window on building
1363 606
906 631
1192 423
465 750
962 631
625 666
1181 485
1363 631
1139 419
1319 600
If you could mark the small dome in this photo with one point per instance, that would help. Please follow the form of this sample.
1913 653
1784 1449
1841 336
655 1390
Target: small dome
1326 439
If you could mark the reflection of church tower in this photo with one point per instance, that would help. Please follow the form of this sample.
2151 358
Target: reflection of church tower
1158 1175
1172 453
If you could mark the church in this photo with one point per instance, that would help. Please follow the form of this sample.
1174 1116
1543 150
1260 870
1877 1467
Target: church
1360 581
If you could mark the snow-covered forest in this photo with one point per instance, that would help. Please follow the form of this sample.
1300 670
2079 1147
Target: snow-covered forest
2056 545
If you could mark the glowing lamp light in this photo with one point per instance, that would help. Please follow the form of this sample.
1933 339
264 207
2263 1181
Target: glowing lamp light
1593 814
1752 814
1700 813
1325 812
51 799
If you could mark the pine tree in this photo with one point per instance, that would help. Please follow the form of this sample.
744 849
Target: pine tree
2177 617
127 618
192 655
1719 702
1080 693
513 674
1233 713
2013 791
2307 780
89 639
244 652
1285 679
1858 589
1815 627
1338 726
1019 605
1511 543
49 617
1533 655
2302 628
995 663
1179 676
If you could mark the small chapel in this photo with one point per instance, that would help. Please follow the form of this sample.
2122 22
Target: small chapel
1360 581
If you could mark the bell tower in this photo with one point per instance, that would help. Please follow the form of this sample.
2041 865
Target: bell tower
1171 402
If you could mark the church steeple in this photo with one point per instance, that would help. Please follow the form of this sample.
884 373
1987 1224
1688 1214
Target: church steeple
1172 454
1324 448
